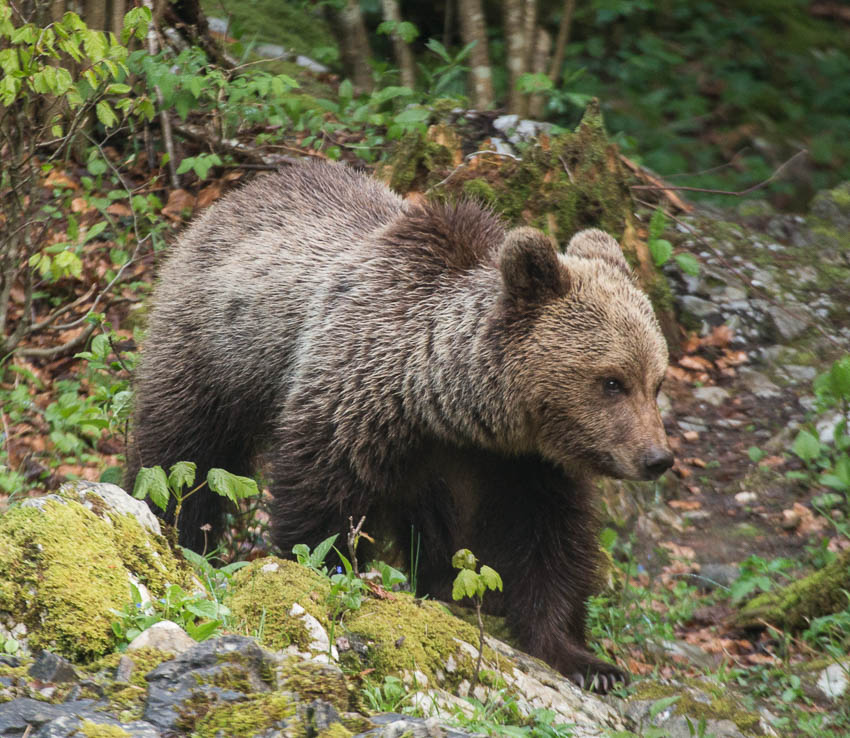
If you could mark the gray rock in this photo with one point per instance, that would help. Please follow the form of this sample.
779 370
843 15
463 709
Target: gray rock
698 307
757 383
393 725
28 717
712 576
115 498
226 660
714 396
833 680
826 425
800 373
165 636
49 667
789 320
833 206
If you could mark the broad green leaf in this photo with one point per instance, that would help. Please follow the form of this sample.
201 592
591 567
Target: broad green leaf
100 346
196 560
464 559
465 584
203 631
661 705
413 115
203 609
661 251
232 486
105 114
438 49
490 578
317 558
151 482
182 475
806 446
839 378
755 454
95 231
687 263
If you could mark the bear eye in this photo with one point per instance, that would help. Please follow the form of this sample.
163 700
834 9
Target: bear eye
613 386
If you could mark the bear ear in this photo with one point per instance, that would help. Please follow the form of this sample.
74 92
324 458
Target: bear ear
595 244
530 266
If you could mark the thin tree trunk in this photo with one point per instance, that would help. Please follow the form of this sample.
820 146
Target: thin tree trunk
119 9
403 55
355 45
94 13
473 28
515 47
448 21
542 48
556 67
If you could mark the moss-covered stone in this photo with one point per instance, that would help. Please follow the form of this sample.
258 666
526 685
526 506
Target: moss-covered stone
797 604
243 719
336 731
264 593
102 730
311 680
62 567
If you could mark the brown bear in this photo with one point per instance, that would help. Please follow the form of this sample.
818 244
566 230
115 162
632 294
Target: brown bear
417 364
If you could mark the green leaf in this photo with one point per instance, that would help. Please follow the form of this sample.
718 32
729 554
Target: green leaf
490 578
317 558
417 114
661 705
756 454
657 224
839 378
806 446
464 559
438 49
151 482
198 561
95 231
661 251
105 114
100 346
182 475
687 263
203 609
203 631
465 584
232 486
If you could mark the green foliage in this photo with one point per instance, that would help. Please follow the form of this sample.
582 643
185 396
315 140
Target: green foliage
501 715
405 30
152 483
390 696
315 559
661 249
758 575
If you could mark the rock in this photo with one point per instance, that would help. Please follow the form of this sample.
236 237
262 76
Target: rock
833 680
687 651
115 499
826 425
757 383
698 307
800 373
833 206
24 717
713 395
790 519
163 636
693 424
789 320
746 498
320 644
712 576
228 668
49 667
393 725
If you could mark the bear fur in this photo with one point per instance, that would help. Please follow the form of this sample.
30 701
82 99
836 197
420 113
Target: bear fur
417 364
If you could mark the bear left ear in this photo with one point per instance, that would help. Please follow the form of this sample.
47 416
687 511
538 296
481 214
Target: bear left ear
595 244
530 266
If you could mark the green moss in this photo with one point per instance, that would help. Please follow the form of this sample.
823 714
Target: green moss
415 160
248 718
479 189
719 707
63 567
264 593
102 730
127 699
314 681
336 731
407 635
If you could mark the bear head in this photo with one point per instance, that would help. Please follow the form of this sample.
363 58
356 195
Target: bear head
588 358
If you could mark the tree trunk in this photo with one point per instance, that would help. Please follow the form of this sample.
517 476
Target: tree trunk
556 67
515 51
542 46
473 28
403 55
355 45
94 14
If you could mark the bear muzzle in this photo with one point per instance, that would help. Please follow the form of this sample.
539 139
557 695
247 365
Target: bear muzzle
656 461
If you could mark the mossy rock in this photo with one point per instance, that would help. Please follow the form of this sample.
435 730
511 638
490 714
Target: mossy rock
414 639
64 567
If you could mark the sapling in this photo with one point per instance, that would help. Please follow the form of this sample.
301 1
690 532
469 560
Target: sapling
470 584
151 482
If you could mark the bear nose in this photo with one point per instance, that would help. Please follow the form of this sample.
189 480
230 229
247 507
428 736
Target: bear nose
656 461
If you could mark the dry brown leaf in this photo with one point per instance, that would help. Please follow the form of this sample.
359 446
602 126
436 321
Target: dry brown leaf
79 205
119 209
735 358
678 374
695 461
720 336
697 363
58 178
178 202
209 195
690 436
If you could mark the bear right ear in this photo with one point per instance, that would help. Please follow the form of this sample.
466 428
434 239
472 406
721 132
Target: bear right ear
595 244
530 266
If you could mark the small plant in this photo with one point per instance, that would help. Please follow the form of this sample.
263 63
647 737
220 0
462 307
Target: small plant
151 482
758 575
662 250
391 696
470 584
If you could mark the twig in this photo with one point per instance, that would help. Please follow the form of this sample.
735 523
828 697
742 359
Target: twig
741 193
233 146
466 161
54 351
353 536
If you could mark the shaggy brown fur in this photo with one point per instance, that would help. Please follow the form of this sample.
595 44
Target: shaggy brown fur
416 364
